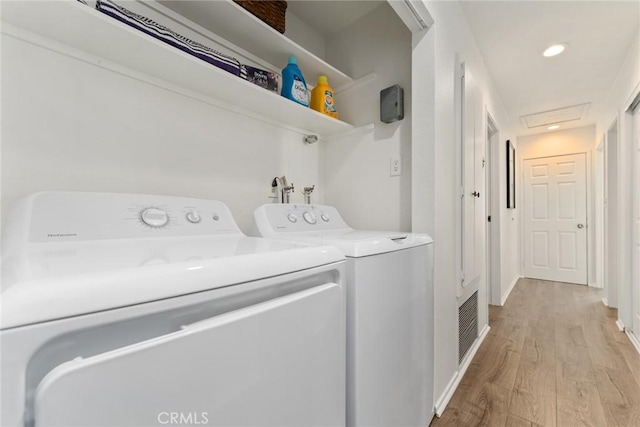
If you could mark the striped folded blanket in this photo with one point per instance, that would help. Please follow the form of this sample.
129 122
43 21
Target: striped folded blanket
163 33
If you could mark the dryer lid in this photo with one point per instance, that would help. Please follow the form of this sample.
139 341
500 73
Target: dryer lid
66 254
55 285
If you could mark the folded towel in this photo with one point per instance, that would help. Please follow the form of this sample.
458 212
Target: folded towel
160 32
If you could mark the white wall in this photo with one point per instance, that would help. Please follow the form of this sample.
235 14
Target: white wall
71 125
450 38
509 225
621 92
356 167
626 86
305 36
558 143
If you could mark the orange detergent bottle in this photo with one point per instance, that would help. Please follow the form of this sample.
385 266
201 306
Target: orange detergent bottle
322 98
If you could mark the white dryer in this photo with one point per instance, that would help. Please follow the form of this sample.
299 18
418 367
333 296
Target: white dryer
135 310
390 364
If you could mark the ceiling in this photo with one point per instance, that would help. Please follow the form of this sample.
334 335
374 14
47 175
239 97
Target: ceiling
512 35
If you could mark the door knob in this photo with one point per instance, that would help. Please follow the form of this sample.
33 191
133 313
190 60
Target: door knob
476 194
580 225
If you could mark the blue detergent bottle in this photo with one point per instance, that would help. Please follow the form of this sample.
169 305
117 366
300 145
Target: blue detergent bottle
294 86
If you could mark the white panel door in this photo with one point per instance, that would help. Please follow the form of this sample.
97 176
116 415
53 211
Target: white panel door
555 212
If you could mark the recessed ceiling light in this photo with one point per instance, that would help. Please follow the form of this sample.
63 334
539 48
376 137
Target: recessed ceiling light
554 127
554 50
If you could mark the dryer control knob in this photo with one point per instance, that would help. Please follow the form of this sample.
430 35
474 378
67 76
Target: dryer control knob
292 218
324 217
154 217
193 217
309 217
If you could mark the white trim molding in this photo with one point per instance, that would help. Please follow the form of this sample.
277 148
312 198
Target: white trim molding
511 286
605 301
634 340
620 325
446 396
443 401
413 14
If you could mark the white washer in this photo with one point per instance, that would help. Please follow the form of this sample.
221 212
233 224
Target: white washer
132 310
389 312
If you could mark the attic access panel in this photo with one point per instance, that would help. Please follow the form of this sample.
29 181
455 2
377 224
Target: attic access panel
559 115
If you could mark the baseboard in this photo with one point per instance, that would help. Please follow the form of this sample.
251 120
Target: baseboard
594 285
620 325
443 401
634 340
511 286
605 302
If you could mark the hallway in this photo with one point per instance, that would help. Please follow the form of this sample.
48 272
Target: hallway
553 357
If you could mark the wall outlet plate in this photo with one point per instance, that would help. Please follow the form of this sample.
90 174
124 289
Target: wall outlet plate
391 104
395 166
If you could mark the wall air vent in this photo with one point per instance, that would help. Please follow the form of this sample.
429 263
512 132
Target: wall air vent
467 325
559 115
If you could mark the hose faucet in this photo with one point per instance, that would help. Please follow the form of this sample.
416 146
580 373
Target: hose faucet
307 194
286 190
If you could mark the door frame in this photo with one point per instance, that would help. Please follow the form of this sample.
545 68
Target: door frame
629 314
611 240
599 179
588 211
492 188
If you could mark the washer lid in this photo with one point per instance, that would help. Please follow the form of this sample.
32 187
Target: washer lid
360 243
322 224
57 281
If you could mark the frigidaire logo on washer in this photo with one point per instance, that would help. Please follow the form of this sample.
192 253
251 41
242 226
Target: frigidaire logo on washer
183 418
58 235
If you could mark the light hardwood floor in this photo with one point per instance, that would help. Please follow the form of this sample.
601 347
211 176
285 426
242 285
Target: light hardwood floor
553 357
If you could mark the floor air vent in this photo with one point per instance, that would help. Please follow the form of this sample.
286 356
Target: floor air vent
467 325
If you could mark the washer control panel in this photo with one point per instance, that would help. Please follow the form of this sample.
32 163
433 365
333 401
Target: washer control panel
70 216
276 218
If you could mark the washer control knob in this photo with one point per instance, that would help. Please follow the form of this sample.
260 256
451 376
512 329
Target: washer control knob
154 217
324 217
193 217
309 217
292 218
